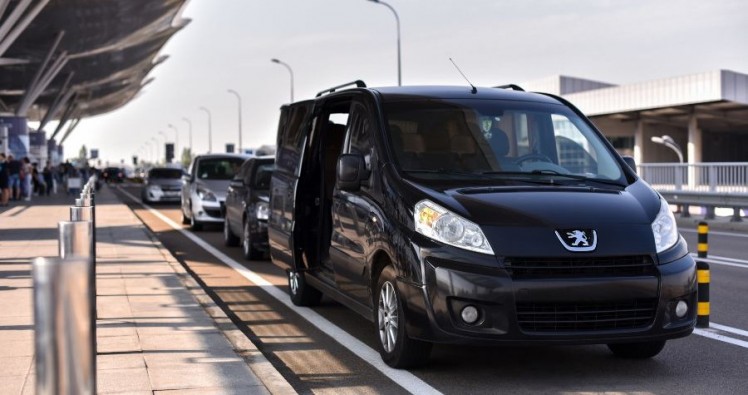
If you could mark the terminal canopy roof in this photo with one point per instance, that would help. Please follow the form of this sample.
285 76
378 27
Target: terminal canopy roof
80 57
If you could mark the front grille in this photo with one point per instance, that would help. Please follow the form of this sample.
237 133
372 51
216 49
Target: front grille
579 317
213 212
623 266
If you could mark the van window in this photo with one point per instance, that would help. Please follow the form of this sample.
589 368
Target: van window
478 138
358 138
291 142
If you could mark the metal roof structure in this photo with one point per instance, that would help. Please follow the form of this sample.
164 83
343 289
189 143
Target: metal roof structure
69 59
719 99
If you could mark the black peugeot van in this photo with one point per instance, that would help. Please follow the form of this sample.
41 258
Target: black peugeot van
476 216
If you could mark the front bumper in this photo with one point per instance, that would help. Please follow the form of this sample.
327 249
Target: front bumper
159 195
568 310
259 232
207 211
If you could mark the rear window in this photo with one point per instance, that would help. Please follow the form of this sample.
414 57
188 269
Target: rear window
165 173
218 168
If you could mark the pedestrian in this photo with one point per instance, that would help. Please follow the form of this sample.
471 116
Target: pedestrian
14 177
48 178
28 172
4 181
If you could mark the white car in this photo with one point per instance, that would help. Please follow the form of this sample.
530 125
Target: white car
204 188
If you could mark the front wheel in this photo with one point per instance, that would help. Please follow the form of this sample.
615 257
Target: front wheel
249 252
302 294
396 348
641 350
229 238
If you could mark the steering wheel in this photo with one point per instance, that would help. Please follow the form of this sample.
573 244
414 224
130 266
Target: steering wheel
536 157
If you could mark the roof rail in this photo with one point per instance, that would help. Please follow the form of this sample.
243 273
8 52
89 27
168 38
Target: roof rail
358 83
510 86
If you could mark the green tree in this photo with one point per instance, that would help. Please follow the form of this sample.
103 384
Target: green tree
186 157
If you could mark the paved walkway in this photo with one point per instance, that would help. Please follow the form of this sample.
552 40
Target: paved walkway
155 334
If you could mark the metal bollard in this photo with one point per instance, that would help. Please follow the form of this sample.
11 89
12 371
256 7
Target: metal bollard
703 240
703 278
65 358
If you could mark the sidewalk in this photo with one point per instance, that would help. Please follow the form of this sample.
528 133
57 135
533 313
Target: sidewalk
153 335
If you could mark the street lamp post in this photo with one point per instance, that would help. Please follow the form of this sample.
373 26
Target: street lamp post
157 152
239 98
210 129
190 129
397 19
290 71
668 141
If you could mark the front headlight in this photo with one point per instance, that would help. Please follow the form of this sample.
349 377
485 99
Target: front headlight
262 211
664 228
442 225
206 194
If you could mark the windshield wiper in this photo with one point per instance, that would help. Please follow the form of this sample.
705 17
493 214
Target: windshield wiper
449 172
553 173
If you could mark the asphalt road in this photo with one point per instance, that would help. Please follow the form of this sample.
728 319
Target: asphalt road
313 360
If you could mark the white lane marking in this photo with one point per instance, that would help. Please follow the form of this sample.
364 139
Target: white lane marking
720 262
724 258
722 338
729 329
716 233
403 378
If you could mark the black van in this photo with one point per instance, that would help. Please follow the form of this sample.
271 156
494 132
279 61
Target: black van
480 216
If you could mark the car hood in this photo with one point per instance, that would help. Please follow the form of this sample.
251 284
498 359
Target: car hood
218 187
165 182
523 221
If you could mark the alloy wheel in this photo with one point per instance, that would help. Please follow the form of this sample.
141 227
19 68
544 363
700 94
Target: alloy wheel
387 316
293 281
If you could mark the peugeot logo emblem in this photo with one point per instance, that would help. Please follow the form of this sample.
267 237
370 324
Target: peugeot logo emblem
577 240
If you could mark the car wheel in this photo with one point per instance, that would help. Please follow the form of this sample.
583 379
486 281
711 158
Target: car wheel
185 220
641 350
395 347
195 224
250 253
229 238
302 294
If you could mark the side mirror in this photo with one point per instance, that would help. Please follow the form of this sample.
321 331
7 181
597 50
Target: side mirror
631 162
236 182
351 171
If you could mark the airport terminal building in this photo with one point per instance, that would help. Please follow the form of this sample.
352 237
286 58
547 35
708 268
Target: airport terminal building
705 113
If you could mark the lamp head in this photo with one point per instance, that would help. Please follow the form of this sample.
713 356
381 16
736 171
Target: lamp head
274 60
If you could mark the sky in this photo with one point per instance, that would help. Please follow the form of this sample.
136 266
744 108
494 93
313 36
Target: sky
229 44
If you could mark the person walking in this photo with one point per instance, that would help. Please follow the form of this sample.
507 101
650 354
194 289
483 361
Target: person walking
4 181
48 178
28 172
14 177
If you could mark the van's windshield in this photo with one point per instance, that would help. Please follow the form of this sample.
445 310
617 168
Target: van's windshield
478 138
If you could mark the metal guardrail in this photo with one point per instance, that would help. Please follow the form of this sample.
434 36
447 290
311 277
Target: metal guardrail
720 178
709 185
65 305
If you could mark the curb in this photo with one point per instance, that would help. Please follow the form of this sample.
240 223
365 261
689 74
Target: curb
242 346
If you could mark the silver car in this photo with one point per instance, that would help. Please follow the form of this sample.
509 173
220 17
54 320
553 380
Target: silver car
204 188
162 184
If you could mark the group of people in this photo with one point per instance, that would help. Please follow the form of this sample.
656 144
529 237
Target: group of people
20 179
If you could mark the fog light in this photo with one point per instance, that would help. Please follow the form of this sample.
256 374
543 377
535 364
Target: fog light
681 309
470 314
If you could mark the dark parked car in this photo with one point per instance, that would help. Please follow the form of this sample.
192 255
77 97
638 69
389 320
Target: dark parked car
162 184
113 174
481 216
247 207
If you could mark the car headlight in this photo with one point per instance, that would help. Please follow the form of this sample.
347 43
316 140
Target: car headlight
664 228
206 194
442 225
154 188
262 211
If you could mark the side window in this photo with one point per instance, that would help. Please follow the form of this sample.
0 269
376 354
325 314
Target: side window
575 152
291 140
358 138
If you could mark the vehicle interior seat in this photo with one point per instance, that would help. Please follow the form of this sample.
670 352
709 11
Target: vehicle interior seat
499 143
466 153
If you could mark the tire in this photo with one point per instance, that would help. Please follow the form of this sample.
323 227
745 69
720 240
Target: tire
185 220
229 238
395 347
637 350
302 294
250 253
195 224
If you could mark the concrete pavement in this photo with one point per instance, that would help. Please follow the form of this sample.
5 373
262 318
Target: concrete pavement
157 331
